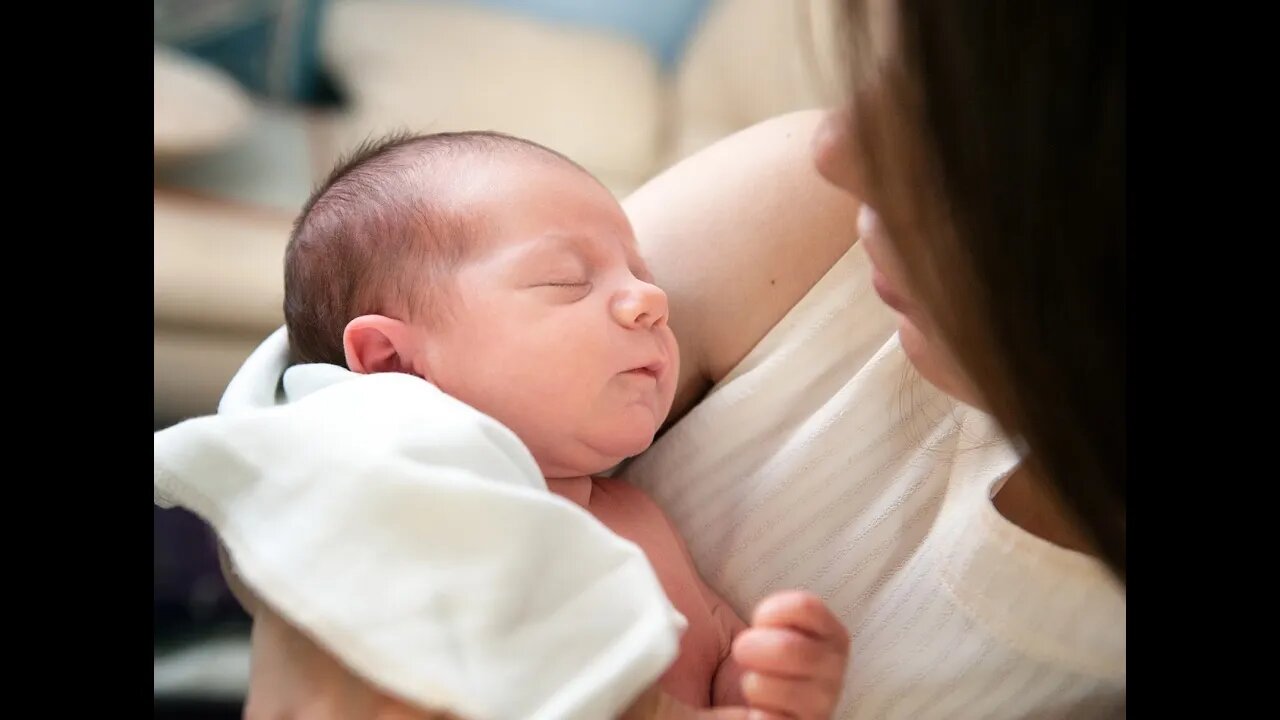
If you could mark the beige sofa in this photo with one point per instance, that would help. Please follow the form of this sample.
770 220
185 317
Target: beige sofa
231 172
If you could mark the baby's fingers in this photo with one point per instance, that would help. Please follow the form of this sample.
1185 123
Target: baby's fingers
787 653
802 611
801 699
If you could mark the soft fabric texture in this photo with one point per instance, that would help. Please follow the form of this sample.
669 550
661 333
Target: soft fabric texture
823 461
414 538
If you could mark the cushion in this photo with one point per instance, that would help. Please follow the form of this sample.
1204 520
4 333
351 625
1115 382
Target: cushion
198 108
437 66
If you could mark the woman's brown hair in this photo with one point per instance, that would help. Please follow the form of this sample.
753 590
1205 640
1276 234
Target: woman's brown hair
993 140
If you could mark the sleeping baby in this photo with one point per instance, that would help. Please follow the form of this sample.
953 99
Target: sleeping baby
507 276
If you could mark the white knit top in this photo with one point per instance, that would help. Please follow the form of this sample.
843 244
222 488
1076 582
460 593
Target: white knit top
824 462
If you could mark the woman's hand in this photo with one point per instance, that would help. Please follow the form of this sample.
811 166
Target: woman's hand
292 677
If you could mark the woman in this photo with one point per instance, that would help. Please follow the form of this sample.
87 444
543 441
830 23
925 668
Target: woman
979 566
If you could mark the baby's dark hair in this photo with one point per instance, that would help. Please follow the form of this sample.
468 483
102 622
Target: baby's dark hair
380 235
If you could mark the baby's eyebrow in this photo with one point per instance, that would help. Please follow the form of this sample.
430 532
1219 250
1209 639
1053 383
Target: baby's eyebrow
575 244
553 246
590 249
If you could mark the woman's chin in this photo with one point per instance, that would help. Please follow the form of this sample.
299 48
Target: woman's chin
931 359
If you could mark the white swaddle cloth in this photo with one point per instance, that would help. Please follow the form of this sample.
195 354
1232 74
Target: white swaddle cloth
415 539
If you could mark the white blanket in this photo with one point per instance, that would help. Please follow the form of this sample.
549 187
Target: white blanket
414 538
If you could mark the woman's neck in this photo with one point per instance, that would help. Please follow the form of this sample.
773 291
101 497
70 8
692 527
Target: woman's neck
1027 500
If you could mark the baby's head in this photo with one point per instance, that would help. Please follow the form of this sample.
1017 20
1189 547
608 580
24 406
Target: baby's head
500 271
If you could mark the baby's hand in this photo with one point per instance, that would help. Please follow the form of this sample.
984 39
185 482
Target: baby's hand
793 657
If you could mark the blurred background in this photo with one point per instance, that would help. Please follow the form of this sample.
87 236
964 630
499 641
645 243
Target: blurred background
256 99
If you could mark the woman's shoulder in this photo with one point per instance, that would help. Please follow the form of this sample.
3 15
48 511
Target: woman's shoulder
737 234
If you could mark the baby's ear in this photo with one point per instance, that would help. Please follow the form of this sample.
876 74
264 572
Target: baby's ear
377 344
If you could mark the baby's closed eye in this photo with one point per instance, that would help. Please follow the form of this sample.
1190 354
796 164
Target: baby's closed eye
559 274
566 290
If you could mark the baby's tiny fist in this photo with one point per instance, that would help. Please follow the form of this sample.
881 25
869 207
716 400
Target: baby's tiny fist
794 654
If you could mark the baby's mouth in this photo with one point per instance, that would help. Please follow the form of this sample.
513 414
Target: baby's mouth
652 370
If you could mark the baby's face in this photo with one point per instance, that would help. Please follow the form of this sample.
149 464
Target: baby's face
555 328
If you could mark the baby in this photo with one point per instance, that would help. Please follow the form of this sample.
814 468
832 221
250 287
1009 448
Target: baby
508 276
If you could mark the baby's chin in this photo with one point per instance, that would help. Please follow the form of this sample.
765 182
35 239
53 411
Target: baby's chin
600 453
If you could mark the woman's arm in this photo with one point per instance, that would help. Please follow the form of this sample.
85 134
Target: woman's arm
737 234
239 590
294 677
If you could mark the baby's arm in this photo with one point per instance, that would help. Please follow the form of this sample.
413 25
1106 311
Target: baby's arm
726 689
789 662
